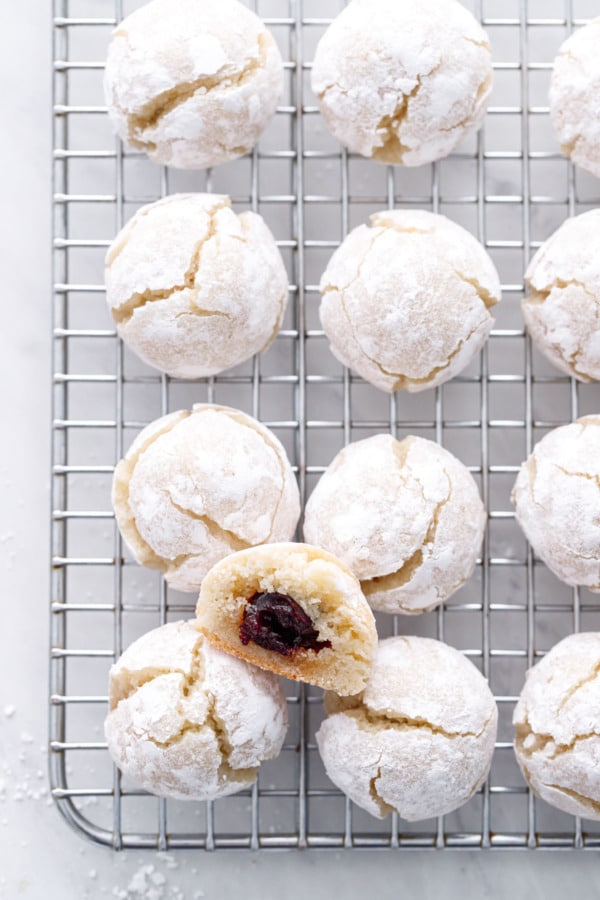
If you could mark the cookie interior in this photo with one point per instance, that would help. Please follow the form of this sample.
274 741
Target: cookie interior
292 609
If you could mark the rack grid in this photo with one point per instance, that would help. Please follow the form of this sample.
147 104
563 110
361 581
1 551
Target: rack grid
511 188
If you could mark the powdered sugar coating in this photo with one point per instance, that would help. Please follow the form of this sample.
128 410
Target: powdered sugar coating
403 82
406 300
189 722
557 497
193 84
405 516
420 737
194 288
562 310
557 741
196 486
575 97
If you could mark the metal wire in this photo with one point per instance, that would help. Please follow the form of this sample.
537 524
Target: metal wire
511 188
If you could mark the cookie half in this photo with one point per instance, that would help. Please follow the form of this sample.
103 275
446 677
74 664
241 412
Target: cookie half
292 609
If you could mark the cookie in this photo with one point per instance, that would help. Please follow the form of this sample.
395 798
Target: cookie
189 722
557 740
419 739
403 82
197 485
293 609
405 516
192 84
561 308
407 300
195 288
575 98
556 501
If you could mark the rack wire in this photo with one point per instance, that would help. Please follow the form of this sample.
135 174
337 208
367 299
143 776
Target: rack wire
511 188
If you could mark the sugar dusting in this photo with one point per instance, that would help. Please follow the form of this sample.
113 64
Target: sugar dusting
151 882
27 780
24 781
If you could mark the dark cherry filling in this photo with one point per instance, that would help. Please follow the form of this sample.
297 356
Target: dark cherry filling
276 622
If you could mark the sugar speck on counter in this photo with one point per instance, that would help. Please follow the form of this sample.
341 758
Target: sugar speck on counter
148 884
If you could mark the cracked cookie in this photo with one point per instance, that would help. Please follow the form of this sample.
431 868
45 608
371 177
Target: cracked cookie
557 740
405 82
293 609
195 288
405 516
197 485
406 301
575 98
562 309
193 84
189 722
419 739
557 500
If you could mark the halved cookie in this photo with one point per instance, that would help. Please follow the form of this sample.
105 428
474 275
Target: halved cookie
293 609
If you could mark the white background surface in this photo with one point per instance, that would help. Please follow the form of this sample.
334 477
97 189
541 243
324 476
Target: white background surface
39 856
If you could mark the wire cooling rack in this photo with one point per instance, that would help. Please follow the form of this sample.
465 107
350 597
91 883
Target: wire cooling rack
511 188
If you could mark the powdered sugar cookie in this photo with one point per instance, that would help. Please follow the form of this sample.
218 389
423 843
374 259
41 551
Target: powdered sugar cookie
194 288
189 722
562 307
196 486
405 516
193 84
293 609
406 301
419 739
556 501
557 741
403 82
575 98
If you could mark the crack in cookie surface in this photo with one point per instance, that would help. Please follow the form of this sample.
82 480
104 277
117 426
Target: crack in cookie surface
171 566
587 802
130 681
156 109
214 529
537 297
125 311
381 226
540 742
587 476
391 149
383 807
125 469
593 676
405 382
281 462
407 571
372 720
386 136
484 295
